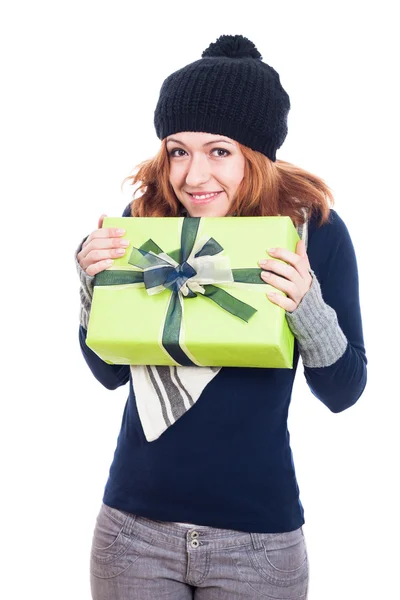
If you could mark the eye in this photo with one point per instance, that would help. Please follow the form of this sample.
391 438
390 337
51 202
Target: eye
175 152
221 152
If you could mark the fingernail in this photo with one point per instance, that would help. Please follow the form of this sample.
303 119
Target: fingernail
265 275
120 231
271 295
263 262
271 250
109 262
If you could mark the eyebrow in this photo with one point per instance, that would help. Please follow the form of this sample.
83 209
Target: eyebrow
219 141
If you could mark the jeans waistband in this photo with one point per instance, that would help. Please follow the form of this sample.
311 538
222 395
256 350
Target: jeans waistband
210 538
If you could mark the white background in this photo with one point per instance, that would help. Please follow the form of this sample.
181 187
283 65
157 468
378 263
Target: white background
80 81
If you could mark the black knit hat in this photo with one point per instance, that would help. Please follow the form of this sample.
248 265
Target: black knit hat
229 91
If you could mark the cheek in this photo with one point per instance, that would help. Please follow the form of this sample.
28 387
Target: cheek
234 178
235 172
176 176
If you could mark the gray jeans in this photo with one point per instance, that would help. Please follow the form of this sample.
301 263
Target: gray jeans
134 558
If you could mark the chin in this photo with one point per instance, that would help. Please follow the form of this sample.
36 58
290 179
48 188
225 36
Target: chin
207 211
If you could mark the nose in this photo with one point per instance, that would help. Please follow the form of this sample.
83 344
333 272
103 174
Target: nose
198 171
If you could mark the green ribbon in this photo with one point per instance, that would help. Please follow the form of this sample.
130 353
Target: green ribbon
158 274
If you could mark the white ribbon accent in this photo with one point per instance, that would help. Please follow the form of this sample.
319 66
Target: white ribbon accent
209 269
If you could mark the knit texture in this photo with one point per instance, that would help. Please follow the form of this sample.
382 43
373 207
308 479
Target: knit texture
229 91
85 289
315 326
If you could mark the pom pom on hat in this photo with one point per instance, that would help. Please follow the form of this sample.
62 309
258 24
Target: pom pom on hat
232 46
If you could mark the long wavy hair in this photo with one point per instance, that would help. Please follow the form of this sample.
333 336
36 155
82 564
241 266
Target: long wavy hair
267 189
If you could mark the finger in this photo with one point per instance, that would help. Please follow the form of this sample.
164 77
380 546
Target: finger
282 301
282 284
290 257
303 267
101 238
98 267
300 263
96 255
102 249
99 226
301 249
281 268
100 223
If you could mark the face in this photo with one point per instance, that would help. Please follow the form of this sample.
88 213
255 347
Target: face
205 172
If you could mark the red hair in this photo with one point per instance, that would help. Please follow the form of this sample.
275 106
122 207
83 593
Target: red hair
267 189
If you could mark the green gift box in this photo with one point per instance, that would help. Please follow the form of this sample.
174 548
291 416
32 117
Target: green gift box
188 292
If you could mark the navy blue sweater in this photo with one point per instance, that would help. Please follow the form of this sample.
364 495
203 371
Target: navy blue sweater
227 462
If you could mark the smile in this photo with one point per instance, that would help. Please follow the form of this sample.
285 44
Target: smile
203 198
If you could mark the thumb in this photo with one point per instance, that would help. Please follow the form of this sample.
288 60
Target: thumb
301 249
100 223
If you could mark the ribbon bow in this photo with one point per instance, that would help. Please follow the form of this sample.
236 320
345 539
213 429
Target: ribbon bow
191 270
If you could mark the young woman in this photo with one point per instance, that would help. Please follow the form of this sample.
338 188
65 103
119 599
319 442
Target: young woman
210 509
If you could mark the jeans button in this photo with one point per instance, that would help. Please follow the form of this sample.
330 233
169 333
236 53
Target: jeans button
194 534
194 543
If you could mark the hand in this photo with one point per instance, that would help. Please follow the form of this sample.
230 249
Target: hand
291 277
100 248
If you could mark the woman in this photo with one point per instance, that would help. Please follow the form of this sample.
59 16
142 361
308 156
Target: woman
210 509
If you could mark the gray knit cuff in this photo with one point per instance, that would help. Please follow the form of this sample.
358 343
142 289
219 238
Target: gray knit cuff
85 290
315 326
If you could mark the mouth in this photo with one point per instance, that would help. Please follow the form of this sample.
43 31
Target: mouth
203 197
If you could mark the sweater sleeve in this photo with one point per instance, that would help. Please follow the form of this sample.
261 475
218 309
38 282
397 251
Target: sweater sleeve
111 376
327 324
85 289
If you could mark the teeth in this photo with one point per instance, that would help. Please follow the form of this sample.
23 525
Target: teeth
204 196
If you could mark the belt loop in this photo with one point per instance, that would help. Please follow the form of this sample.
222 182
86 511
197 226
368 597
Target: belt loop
129 524
256 541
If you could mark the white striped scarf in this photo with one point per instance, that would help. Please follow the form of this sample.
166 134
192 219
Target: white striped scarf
164 394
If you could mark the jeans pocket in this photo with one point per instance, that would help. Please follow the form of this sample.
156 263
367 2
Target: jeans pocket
110 537
286 555
114 546
276 567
